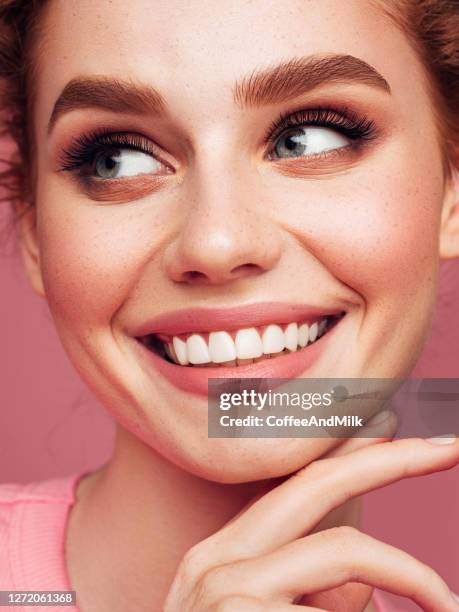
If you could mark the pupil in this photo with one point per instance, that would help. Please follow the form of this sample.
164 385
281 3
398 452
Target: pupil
110 163
107 164
290 144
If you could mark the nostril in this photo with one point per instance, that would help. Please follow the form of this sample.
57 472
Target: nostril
246 269
220 276
193 275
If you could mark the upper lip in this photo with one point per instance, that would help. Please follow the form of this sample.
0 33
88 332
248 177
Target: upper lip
217 319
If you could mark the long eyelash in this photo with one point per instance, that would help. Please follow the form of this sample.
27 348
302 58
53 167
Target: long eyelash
345 121
83 150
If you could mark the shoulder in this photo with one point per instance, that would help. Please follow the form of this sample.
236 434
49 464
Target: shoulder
31 516
51 491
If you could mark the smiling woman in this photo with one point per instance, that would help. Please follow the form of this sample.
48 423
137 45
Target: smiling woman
263 190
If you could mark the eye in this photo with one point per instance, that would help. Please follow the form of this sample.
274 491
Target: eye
303 141
120 163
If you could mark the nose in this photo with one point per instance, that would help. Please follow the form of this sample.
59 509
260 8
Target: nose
226 233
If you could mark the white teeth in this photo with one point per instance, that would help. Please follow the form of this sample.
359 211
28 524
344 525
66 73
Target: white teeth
245 346
230 363
291 337
197 349
221 347
313 331
273 339
248 344
180 350
303 335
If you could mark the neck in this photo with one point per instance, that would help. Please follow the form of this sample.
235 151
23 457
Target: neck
135 518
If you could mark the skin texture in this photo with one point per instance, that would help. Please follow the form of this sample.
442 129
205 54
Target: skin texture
361 231
106 268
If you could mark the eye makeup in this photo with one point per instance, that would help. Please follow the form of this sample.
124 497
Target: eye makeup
353 132
82 154
80 159
345 121
84 150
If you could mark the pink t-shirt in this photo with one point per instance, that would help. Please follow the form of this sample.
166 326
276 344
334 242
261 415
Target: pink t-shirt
33 522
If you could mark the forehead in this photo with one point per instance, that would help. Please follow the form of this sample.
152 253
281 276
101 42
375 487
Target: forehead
195 50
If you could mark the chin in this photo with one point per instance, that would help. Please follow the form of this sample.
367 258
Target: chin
237 460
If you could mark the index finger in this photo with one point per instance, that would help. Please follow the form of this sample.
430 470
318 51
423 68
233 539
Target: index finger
294 507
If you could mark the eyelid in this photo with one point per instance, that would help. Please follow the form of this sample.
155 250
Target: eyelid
341 119
83 149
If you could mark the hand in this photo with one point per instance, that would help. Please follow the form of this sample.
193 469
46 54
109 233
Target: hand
263 558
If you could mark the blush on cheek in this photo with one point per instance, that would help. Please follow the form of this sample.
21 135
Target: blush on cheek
91 258
380 234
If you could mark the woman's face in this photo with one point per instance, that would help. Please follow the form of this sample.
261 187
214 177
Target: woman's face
219 166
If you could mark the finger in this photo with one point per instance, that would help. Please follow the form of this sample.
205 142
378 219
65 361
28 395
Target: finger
379 429
294 507
332 558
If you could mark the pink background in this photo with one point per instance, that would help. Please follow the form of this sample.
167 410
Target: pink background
50 425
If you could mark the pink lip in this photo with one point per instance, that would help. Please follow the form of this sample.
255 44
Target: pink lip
217 319
195 379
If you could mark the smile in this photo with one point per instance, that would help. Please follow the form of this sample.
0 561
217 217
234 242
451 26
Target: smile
264 340
238 347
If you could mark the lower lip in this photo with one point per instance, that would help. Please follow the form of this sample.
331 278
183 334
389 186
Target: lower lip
195 379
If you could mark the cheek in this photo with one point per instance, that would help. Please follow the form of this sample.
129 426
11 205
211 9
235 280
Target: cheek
92 255
375 229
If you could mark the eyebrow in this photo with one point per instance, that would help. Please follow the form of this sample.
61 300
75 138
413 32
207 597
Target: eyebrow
300 75
282 82
108 94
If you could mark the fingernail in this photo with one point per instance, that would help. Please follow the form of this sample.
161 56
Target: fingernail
444 439
379 418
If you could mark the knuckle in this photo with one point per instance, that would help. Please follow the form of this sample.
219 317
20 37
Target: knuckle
346 543
346 537
214 578
211 586
194 562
